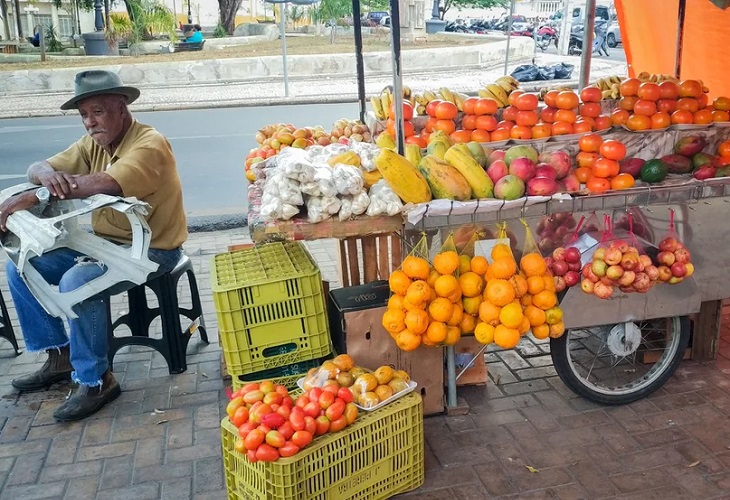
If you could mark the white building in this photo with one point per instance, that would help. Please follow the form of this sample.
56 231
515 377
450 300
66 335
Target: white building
43 13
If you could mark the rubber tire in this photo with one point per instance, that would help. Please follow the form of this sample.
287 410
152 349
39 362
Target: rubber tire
611 40
559 354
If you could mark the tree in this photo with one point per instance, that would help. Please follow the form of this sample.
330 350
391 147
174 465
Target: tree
374 5
228 10
330 11
445 5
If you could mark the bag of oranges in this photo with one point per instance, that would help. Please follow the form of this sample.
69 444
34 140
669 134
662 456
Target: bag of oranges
446 310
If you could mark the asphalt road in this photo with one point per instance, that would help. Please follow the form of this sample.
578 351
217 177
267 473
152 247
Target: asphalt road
209 145
615 54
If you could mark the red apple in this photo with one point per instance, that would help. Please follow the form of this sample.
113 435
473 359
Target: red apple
645 260
602 291
562 232
560 284
599 268
571 278
587 285
632 250
630 261
666 258
690 269
614 272
679 270
621 245
599 254
627 279
682 255
675 279
652 272
608 281
560 267
642 283
549 261
613 256
665 274
559 253
574 266
572 255
668 245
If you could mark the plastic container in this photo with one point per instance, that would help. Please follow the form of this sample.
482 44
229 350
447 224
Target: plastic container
270 307
285 375
378 456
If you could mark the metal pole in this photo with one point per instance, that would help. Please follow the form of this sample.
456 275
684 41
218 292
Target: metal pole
19 33
282 15
42 42
509 33
565 29
357 24
4 12
589 25
397 75
190 14
680 37
450 377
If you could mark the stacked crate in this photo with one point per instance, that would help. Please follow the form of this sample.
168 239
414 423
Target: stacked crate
272 320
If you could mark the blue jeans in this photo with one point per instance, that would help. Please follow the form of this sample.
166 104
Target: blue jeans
88 333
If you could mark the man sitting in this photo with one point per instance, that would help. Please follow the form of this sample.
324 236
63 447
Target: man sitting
121 157
195 35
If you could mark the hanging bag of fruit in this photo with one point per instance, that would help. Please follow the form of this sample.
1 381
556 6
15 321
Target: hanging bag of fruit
673 261
445 311
565 261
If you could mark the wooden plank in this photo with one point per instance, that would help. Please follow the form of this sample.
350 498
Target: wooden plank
396 251
354 264
383 258
706 332
369 258
342 264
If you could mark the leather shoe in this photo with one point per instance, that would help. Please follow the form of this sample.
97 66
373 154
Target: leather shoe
87 400
57 368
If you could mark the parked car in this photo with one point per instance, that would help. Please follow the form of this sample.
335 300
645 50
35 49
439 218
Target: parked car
374 18
385 21
613 36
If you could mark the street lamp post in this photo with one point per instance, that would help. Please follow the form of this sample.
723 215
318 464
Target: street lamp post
190 14
435 24
98 17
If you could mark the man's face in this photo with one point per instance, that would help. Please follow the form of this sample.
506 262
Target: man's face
103 117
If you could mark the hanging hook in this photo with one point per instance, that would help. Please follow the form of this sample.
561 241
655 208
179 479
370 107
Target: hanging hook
522 210
448 216
499 211
648 200
474 213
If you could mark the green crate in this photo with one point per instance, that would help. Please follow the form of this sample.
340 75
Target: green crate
270 306
285 375
380 455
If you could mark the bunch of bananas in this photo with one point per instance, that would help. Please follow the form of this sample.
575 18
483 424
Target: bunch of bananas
558 88
609 86
500 90
656 78
443 94
381 104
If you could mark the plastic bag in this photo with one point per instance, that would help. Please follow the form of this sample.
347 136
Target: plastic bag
673 261
565 261
383 200
554 230
275 209
321 208
347 179
295 163
278 185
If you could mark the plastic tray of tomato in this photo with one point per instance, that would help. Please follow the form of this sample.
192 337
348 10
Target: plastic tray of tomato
411 386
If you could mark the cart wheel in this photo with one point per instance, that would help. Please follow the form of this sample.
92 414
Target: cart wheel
618 364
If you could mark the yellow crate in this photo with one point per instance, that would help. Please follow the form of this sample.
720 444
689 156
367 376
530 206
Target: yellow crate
270 306
380 455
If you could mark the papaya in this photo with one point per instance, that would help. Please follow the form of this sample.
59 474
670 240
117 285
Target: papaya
459 157
402 177
370 178
413 154
347 158
438 148
444 180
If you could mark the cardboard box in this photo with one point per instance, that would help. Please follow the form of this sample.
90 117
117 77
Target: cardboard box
355 324
465 350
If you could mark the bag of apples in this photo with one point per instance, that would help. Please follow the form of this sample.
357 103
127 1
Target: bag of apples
673 260
564 262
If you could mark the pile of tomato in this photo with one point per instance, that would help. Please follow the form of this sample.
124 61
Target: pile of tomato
598 164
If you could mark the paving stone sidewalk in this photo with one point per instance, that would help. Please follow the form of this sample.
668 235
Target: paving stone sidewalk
674 444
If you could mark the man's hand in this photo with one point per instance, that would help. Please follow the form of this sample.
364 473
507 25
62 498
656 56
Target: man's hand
22 201
60 184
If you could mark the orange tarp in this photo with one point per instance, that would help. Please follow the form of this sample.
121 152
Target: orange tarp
649 35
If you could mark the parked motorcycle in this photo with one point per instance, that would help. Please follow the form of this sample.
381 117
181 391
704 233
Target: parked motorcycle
575 44
545 36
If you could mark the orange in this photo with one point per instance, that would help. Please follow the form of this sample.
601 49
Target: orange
583 174
511 315
525 118
489 313
524 327
549 283
486 122
535 285
417 321
432 277
660 120
407 340
682 116
668 90
446 262
622 181
565 115
395 302
500 292
690 88
627 103
506 338
394 320
479 135
484 333
409 306
520 132
541 332
471 304
485 106
456 315
436 332
638 122
453 335
418 293
702 117
441 309
416 268
688 104
630 87
553 315
644 107
590 143
557 330
535 315
471 284
479 265
541 130
584 159
545 300
446 285
464 264
501 250
460 136
649 91
720 116
469 122
519 283
567 99
532 264
399 282
562 128
526 300
468 323
503 267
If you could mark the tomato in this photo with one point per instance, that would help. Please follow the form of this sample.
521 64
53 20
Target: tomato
338 424
275 439
590 143
567 99
598 185
688 104
323 425
289 449
240 417
301 401
446 126
312 409
669 90
644 107
336 410
345 394
485 106
549 99
327 398
233 405
583 174
239 446
273 420
407 111
468 105
622 181
525 118
619 117
263 428
253 396
666 106
310 425
591 94
251 455
246 428
613 150
512 99
724 148
254 439
286 430
510 113
649 91
548 114
446 111
690 88
288 402
408 129
469 122
266 386
605 168
526 102
273 398
417 140
592 109
257 415
297 421
282 390
302 438
284 411
237 394
350 412
267 453
431 107
486 122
